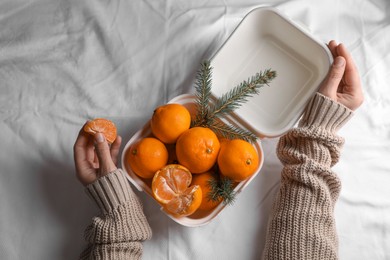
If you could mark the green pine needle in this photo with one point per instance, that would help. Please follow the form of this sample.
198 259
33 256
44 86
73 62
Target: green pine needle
207 115
221 188
240 94
232 132
203 93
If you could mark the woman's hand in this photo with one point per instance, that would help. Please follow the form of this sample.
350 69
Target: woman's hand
343 82
94 157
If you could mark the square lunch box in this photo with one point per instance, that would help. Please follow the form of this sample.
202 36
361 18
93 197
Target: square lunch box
264 39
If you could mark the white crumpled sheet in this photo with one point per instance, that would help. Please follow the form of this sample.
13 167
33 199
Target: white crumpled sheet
63 62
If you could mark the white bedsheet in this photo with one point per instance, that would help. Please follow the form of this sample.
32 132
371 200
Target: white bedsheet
63 62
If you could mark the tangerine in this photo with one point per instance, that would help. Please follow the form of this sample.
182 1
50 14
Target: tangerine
238 159
171 186
101 125
197 149
204 180
147 156
169 122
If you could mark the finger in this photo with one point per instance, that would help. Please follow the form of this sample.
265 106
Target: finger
80 150
335 75
91 154
352 78
103 153
115 149
333 48
81 141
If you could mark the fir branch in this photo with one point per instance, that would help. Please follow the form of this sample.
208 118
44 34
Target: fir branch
239 94
203 92
207 115
221 188
232 132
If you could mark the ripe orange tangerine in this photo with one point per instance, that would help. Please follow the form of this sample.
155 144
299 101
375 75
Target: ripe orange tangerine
238 159
197 149
101 125
204 181
147 156
169 122
171 187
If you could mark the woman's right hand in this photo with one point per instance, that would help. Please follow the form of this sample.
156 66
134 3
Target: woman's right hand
343 81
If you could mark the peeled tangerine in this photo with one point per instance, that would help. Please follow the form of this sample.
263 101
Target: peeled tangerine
171 187
101 125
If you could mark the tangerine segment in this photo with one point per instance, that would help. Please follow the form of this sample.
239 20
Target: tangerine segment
147 156
169 122
170 181
187 203
197 149
101 125
171 187
238 160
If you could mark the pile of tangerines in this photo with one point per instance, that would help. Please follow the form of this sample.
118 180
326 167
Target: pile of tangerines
181 160
182 187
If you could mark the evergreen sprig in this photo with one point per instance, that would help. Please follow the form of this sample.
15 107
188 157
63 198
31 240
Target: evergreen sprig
221 188
207 115
232 132
240 94
203 92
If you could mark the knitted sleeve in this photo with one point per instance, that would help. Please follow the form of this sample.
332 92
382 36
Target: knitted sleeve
118 232
302 224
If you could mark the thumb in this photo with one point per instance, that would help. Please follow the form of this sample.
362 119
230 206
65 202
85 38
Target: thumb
106 165
335 75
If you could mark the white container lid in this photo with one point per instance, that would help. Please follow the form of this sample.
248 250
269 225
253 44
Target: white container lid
267 39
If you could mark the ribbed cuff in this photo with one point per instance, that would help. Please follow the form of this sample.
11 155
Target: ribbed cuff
110 191
325 113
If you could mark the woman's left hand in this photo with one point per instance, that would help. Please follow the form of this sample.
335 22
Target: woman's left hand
94 157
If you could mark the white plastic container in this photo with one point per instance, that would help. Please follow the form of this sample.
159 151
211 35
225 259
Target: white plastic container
264 39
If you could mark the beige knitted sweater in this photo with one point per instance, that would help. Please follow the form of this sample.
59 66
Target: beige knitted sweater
121 227
302 222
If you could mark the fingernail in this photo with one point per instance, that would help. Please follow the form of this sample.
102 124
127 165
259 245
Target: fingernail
99 138
338 62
